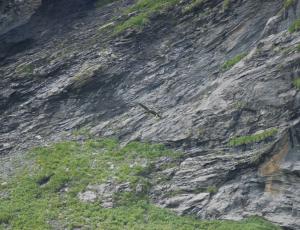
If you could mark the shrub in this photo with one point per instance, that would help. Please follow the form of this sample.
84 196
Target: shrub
295 26
230 63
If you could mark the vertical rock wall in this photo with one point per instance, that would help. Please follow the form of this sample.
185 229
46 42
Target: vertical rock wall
16 12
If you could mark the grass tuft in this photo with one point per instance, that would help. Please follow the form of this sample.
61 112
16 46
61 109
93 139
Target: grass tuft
296 83
295 26
194 5
288 3
230 63
212 189
226 4
142 10
26 69
136 22
298 48
237 141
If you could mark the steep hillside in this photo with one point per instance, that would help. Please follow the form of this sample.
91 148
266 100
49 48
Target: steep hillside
16 13
216 80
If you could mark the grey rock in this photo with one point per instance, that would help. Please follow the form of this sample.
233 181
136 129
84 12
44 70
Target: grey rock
104 193
65 75
183 203
14 13
87 196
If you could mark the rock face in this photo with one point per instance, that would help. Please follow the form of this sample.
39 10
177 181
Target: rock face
14 13
267 187
63 71
104 193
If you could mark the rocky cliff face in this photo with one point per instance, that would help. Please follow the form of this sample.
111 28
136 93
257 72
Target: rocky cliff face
239 127
16 12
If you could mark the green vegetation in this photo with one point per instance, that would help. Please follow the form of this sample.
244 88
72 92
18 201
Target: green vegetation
296 83
295 26
288 3
137 22
226 4
26 69
143 9
230 63
237 141
44 193
212 189
85 74
239 105
36 196
298 48
195 4
294 49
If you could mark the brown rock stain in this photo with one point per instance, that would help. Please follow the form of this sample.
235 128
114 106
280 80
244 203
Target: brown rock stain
271 168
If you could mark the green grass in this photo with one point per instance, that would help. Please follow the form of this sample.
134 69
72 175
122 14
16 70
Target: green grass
195 4
230 63
226 4
212 189
296 83
298 48
144 9
294 49
237 141
288 3
136 22
26 69
295 26
36 199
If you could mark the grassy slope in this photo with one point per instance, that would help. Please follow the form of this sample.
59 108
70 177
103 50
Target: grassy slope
33 198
